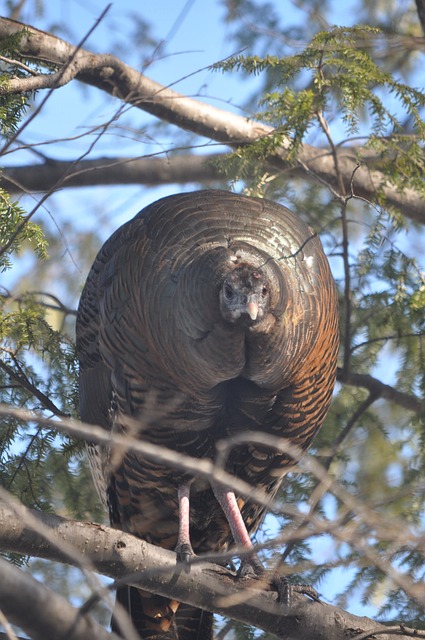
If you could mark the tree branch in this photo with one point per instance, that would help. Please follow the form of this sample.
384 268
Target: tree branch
41 612
369 521
214 470
110 74
380 390
111 171
130 560
17 374
420 7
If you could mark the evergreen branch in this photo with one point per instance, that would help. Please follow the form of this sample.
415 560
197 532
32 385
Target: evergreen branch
19 376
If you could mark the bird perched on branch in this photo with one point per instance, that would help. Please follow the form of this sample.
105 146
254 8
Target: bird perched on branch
208 315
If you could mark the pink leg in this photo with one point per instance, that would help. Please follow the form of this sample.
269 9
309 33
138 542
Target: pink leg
184 547
251 564
228 503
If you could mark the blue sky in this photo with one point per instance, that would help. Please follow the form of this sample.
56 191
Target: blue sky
194 37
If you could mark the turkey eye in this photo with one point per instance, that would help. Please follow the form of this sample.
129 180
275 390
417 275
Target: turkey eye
228 292
264 291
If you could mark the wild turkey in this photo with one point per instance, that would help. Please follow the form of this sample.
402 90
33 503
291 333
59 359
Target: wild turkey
217 312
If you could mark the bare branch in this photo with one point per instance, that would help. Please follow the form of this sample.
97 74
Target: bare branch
55 304
397 630
119 555
110 74
354 532
111 171
41 612
17 374
4 623
381 390
205 468
199 467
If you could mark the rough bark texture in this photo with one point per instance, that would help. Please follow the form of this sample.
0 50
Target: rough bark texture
112 171
42 613
208 586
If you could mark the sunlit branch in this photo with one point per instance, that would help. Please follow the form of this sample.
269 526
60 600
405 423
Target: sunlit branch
212 587
111 75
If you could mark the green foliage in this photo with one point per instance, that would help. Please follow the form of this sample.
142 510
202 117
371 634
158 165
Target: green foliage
334 92
12 107
335 75
37 372
37 362
15 229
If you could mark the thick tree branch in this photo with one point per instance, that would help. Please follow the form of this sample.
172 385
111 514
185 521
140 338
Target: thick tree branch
110 74
125 558
369 522
112 171
41 612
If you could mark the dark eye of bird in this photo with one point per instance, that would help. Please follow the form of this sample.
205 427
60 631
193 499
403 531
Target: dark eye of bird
264 291
228 292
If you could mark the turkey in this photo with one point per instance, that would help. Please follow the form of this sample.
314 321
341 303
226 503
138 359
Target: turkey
207 315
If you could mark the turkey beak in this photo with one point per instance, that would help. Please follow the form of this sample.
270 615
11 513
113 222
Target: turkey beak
252 309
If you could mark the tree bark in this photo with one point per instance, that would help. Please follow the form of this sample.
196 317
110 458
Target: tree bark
420 7
108 73
205 585
381 390
41 612
112 171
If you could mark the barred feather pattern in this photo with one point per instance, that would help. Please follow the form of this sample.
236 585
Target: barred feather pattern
154 347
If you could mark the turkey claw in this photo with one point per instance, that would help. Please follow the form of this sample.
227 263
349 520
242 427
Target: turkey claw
185 553
251 568
285 590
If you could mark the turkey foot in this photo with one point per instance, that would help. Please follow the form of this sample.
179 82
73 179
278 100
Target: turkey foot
285 590
184 552
251 568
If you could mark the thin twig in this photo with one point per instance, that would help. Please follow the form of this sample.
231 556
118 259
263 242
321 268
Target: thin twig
56 82
20 377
